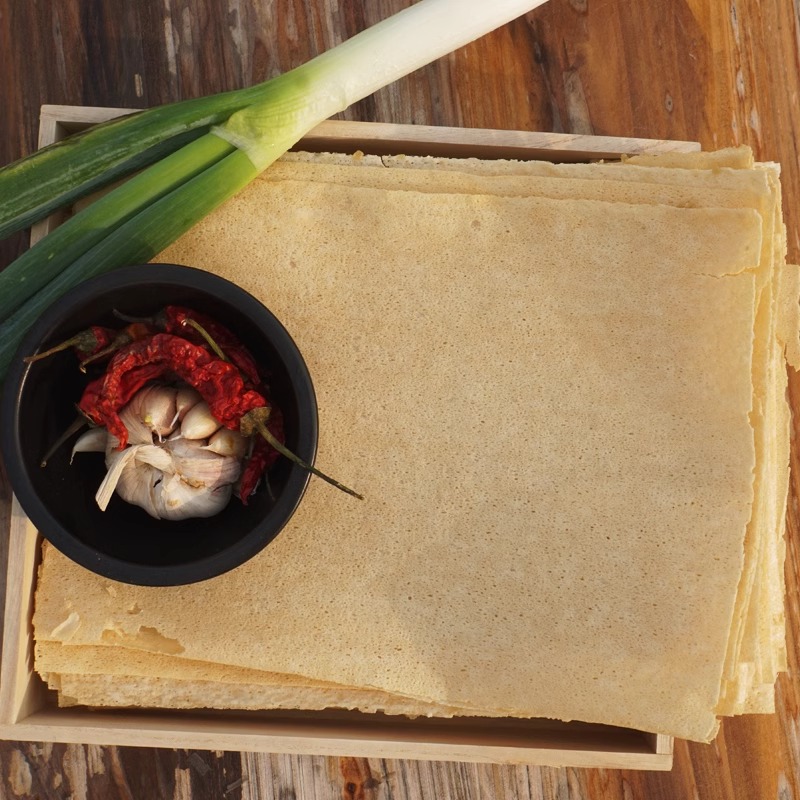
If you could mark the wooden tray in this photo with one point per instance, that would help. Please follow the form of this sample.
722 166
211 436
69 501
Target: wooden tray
28 710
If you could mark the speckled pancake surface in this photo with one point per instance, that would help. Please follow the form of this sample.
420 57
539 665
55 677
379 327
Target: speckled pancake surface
548 405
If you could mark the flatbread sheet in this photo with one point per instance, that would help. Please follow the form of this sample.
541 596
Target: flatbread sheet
136 691
688 186
546 404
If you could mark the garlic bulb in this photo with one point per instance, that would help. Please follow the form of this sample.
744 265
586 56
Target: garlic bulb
176 478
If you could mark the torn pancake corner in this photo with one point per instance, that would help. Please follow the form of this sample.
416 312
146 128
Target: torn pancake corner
566 384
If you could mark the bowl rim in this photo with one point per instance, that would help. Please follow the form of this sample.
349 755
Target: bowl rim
58 535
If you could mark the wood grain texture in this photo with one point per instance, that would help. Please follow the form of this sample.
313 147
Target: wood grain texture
721 73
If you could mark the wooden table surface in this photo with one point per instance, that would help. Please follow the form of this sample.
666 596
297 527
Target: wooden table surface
721 73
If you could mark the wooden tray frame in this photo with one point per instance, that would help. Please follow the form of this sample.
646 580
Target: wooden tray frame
28 711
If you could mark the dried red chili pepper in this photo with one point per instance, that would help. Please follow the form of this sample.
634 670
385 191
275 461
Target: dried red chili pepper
172 319
219 382
255 421
97 407
262 458
232 402
84 344
174 322
130 333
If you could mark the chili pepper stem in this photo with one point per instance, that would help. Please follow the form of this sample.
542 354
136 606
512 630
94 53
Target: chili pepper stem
284 451
76 425
188 321
77 340
120 341
132 332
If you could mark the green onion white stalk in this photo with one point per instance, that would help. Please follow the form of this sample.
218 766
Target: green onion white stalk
236 136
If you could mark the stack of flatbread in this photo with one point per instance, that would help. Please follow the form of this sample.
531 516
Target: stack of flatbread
561 389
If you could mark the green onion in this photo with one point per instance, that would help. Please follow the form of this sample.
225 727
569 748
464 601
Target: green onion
136 240
60 173
34 269
239 135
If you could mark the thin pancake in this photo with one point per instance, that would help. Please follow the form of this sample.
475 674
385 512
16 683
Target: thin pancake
556 395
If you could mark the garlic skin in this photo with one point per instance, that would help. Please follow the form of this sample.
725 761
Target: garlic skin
175 499
137 486
200 467
181 477
154 456
116 462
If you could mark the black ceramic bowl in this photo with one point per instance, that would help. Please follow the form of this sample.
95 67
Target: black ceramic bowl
124 542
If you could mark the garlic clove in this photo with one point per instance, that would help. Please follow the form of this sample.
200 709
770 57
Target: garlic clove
160 409
150 411
176 500
200 467
186 398
138 432
226 442
92 441
199 422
